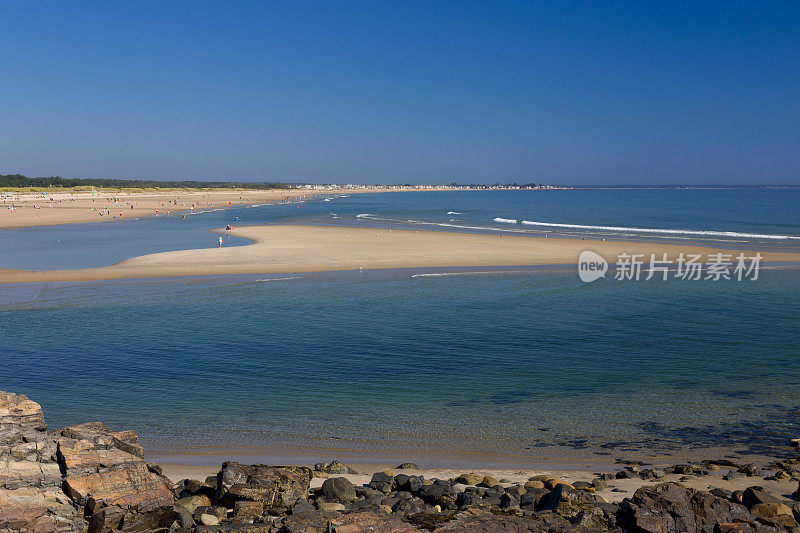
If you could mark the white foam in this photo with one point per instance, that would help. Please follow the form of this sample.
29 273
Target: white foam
454 213
279 279
650 230
471 273
365 215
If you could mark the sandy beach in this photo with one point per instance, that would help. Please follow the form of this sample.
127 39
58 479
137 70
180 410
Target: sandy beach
25 209
296 248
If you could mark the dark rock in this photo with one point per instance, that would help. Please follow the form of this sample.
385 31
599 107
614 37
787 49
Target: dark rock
185 516
409 483
408 466
534 499
567 501
369 493
755 495
411 506
442 495
671 507
279 487
509 501
192 487
382 482
302 505
466 499
732 475
722 493
599 484
339 489
750 470
369 521
481 520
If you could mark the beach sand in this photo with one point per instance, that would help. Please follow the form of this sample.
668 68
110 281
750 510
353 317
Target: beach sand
47 209
300 248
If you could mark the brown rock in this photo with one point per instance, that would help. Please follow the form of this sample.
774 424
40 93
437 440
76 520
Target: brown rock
246 509
193 502
103 437
18 411
568 501
369 521
770 510
279 487
15 474
481 520
334 467
33 509
87 456
132 487
469 479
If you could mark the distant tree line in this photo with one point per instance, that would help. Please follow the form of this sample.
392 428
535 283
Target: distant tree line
18 180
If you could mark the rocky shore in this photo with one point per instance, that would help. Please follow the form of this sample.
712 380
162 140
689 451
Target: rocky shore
88 477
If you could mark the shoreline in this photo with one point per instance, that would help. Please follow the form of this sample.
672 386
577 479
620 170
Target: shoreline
34 209
291 248
65 479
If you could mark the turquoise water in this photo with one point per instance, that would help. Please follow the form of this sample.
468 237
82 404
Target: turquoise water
497 364
521 362
768 218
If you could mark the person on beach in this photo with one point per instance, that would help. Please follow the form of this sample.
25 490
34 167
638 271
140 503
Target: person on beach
219 240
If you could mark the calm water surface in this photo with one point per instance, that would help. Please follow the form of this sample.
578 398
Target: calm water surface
523 362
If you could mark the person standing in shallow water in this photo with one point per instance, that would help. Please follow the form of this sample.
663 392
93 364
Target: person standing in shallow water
219 240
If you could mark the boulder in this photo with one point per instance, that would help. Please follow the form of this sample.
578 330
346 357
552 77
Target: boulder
409 483
488 481
193 502
104 437
442 495
15 474
36 509
132 487
672 507
86 457
382 482
408 466
279 487
484 521
339 489
568 501
469 479
334 467
18 411
21 444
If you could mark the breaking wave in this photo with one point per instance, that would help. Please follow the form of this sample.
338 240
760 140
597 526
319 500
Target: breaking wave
662 231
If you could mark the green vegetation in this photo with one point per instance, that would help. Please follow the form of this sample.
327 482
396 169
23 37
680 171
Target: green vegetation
18 181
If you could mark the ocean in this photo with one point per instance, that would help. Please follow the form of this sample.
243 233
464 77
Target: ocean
506 365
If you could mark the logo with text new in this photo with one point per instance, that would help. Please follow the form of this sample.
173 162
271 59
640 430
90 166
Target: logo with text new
591 266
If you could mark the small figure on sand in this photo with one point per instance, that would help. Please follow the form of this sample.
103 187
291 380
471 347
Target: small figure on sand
219 240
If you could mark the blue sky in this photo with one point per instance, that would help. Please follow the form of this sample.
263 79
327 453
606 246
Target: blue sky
423 92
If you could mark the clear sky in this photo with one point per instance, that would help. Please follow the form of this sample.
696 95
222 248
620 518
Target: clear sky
424 92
